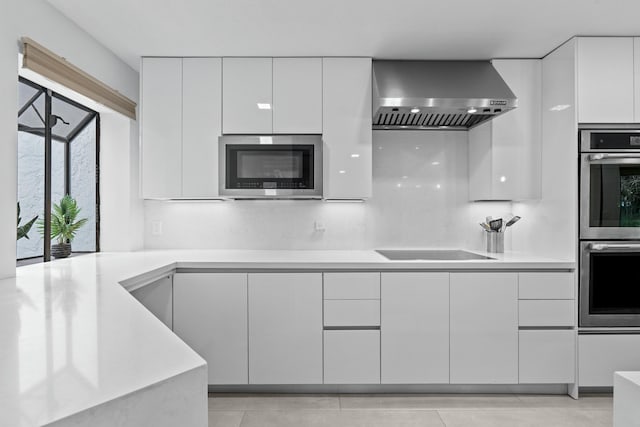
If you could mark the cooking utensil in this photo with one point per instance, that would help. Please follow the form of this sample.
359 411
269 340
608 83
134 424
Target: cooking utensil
495 224
485 226
512 221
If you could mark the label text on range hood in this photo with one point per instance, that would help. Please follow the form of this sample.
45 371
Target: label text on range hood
496 102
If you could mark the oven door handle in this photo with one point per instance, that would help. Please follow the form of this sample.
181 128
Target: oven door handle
616 246
604 156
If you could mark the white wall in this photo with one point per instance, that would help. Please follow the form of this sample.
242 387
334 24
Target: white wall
38 20
419 199
551 227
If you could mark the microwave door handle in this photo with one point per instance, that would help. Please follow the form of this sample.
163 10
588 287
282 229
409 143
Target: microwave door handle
604 156
607 247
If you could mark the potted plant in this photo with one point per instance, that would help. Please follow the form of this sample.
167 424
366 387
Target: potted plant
23 230
63 226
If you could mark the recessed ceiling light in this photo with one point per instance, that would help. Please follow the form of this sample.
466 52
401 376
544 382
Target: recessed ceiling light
435 163
415 110
264 106
472 110
342 171
503 178
559 107
438 186
266 140
355 155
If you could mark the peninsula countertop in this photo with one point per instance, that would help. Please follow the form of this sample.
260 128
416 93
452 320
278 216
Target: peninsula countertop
71 336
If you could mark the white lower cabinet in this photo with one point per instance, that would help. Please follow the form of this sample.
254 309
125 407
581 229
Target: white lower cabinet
415 328
210 315
285 328
484 328
157 298
547 356
599 356
352 357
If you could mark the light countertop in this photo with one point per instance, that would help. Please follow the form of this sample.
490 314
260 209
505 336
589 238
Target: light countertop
72 338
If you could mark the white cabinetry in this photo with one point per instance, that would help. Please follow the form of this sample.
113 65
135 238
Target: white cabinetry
161 127
636 79
605 79
352 357
504 153
547 356
157 297
601 355
415 328
285 328
297 95
346 128
484 328
181 123
201 126
210 315
247 97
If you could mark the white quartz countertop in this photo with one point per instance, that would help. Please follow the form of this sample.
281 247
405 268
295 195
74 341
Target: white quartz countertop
71 337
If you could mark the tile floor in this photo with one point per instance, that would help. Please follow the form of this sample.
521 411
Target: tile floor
425 410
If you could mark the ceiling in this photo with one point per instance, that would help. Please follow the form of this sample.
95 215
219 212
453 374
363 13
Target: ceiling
410 29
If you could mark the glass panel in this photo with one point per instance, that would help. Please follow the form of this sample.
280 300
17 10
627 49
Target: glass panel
32 118
83 186
614 196
614 288
30 191
270 164
67 113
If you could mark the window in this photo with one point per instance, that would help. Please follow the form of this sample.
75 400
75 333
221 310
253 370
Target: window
53 163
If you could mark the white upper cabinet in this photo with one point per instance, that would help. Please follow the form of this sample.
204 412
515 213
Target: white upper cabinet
504 153
606 80
161 127
181 123
297 95
247 96
346 128
201 125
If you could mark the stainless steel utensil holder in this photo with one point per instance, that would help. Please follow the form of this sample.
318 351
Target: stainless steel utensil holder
495 241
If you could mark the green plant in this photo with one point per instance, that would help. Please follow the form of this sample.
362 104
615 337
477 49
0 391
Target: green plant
23 230
63 220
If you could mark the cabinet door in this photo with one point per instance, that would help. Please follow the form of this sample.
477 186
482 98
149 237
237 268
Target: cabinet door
285 328
505 153
210 315
415 328
636 78
547 356
247 95
297 95
157 297
352 357
484 328
201 125
346 127
161 121
605 80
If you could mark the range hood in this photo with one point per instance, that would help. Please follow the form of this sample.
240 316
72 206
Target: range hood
456 95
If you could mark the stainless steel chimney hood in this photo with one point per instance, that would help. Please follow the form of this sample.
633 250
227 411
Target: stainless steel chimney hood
455 95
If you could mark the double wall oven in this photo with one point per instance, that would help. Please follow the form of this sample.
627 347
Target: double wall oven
610 228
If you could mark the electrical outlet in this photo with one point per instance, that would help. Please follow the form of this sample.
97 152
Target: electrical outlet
156 228
318 227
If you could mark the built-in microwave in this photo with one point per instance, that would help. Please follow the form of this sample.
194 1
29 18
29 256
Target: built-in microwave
270 166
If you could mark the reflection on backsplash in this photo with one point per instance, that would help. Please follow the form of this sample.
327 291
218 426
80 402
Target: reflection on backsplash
419 200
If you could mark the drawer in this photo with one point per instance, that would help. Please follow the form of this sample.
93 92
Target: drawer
547 357
352 357
546 286
546 313
352 313
351 285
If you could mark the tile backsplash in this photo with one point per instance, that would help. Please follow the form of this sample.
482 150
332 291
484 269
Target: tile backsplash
420 199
